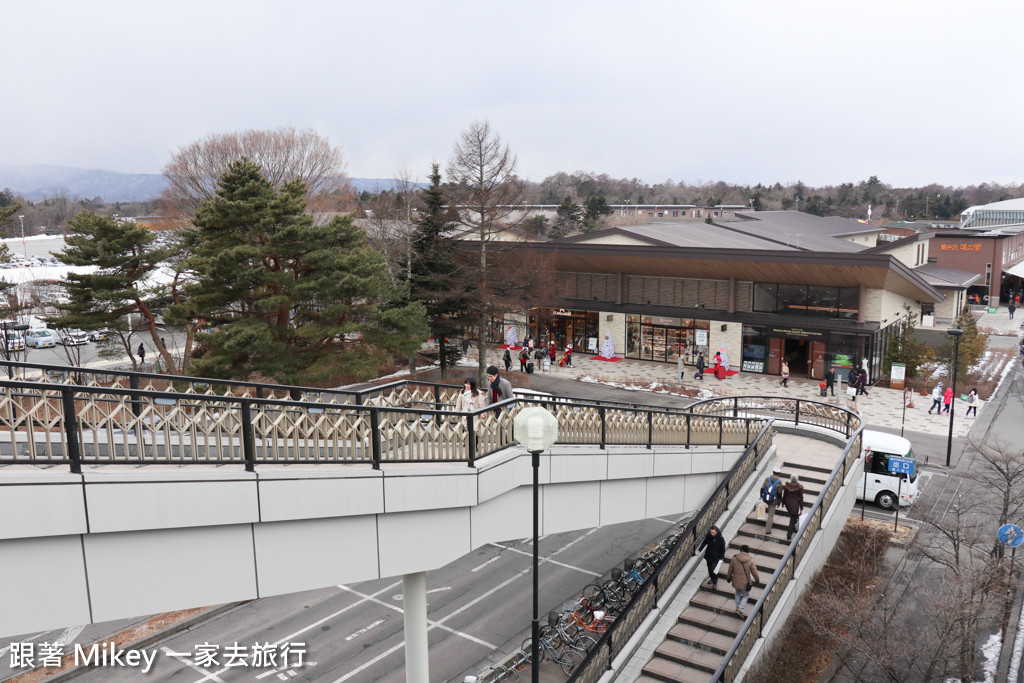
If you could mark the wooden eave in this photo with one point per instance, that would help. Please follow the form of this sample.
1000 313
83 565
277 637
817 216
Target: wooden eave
873 270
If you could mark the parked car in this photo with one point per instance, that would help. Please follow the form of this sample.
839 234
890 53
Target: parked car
72 337
40 338
14 341
98 335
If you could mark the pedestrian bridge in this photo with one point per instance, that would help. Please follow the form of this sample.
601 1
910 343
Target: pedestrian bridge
124 494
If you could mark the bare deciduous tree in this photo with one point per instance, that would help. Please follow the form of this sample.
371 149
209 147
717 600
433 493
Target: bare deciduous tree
282 154
489 195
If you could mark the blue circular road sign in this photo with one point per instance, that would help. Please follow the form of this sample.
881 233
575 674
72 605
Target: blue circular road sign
1011 535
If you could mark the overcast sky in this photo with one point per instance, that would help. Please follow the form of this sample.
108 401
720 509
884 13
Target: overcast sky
825 92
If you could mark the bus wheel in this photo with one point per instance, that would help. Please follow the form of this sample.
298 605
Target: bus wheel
886 500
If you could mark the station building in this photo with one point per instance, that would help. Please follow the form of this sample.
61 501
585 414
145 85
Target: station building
765 286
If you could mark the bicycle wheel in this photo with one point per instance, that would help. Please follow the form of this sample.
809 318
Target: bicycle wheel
614 593
595 595
569 660
584 644
527 648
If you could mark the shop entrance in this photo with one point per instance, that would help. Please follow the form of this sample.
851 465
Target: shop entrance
797 354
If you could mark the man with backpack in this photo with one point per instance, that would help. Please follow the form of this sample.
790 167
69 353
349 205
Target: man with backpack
771 492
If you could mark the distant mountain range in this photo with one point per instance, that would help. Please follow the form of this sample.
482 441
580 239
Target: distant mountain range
38 182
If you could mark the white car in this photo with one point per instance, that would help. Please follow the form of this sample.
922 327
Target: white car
40 339
14 341
72 337
98 335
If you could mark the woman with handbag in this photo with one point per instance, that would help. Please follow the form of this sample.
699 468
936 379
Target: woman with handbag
742 574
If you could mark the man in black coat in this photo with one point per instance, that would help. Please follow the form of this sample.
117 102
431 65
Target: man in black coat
714 552
830 380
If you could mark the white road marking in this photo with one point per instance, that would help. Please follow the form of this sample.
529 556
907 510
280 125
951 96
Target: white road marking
399 596
365 629
184 660
471 603
479 567
69 635
430 624
288 639
546 560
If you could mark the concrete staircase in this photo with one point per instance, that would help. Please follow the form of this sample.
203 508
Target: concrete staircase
696 645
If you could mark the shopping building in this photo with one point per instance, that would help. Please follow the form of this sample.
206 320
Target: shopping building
765 287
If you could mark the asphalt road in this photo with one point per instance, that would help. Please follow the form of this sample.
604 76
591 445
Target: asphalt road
477 605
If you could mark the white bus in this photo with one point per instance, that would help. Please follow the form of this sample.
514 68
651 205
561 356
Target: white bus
884 488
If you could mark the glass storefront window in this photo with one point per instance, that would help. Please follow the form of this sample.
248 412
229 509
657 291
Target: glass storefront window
765 297
663 338
560 326
849 302
755 349
793 299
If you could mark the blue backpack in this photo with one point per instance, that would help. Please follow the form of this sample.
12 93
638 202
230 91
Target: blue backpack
769 493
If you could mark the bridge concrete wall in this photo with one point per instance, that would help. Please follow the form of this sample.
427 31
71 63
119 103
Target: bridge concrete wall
118 542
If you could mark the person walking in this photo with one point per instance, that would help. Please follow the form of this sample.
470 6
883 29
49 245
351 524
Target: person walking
470 398
1012 308
830 380
793 501
742 574
507 358
854 380
972 403
714 552
947 400
141 353
524 357
785 374
552 352
568 355
702 364
771 494
499 387
936 400
862 380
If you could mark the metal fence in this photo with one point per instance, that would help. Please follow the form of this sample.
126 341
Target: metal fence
140 419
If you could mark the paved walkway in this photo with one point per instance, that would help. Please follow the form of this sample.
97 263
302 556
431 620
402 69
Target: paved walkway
881 408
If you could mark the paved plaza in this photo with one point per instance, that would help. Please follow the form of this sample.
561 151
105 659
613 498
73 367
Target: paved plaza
882 408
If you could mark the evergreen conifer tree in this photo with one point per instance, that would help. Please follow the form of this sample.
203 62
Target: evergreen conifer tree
436 278
286 298
121 286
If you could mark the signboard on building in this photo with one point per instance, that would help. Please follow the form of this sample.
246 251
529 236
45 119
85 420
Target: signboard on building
898 376
797 333
701 337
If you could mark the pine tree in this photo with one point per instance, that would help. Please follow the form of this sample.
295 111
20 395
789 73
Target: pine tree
126 260
973 344
436 278
904 348
289 299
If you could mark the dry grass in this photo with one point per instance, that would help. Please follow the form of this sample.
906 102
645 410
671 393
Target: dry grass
803 651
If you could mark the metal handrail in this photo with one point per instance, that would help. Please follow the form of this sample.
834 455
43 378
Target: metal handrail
798 546
594 664
635 425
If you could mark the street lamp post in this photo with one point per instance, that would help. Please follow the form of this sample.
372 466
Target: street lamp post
24 247
536 429
955 333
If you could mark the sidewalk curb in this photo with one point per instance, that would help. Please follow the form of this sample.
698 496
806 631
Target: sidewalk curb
174 629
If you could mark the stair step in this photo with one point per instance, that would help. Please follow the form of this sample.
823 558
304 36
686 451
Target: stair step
701 637
726 624
682 653
659 669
